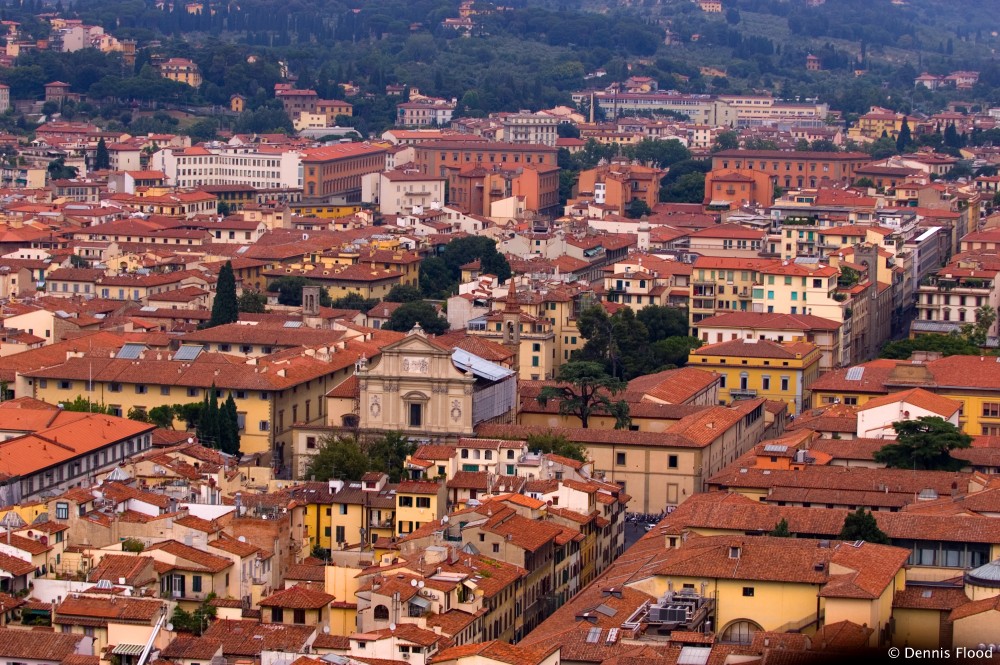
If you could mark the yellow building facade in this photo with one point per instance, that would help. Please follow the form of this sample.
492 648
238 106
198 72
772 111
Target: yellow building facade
752 368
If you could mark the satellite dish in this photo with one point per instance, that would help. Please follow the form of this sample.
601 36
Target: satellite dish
413 583
190 439
392 626
170 627
242 539
421 584
444 520
326 630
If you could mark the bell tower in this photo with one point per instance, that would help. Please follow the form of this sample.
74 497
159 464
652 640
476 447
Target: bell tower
511 324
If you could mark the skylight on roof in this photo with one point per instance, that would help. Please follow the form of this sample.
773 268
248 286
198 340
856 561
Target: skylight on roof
293 324
855 373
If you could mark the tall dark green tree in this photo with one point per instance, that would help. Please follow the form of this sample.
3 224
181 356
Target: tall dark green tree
102 158
338 457
225 307
904 139
410 313
229 427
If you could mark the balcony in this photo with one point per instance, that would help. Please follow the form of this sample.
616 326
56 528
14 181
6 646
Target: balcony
742 393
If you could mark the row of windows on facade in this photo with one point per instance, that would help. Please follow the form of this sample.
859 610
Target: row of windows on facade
77 467
765 382
274 175
775 165
621 460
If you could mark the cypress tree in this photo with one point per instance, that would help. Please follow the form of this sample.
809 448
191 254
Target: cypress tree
231 426
102 159
904 139
225 308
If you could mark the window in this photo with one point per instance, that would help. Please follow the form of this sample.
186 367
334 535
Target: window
114 387
277 615
193 392
991 409
416 412
340 536
310 442
164 390
62 511
620 459
765 382
298 616
423 502
265 426
740 632
406 502
722 380
196 583
141 389
496 548
343 506
784 383
748 592
672 461
65 385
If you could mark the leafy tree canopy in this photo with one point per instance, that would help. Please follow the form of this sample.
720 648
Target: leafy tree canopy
585 390
422 312
338 457
924 444
861 525
558 445
289 290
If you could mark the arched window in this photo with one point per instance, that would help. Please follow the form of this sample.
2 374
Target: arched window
740 631
381 613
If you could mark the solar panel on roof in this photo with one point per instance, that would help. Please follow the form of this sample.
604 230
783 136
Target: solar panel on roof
612 636
147 308
188 352
130 351
243 249
594 636
293 324
775 448
855 373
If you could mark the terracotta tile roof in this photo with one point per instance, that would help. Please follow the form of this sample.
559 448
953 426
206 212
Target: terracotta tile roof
520 531
135 570
974 607
107 609
765 321
8 603
872 379
511 654
673 386
896 481
930 598
191 648
332 642
435 452
418 487
452 622
832 418
757 348
842 636
306 572
199 559
919 397
32 645
409 632
297 597
16 567
708 425
250 638
734 512
477 480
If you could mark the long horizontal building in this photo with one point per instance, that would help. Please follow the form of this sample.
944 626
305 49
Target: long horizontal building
700 109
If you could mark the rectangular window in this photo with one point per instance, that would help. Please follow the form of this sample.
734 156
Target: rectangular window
748 591
164 390
62 511
196 583
416 415
311 442
299 616
341 536
784 383
672 461
765 382
423 502
406 502
620 459
277 615
265 426
991 409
